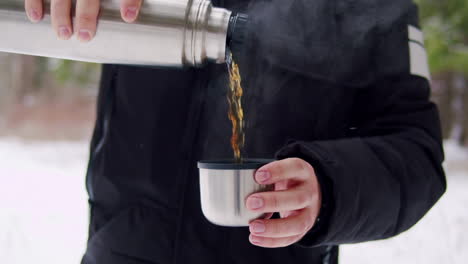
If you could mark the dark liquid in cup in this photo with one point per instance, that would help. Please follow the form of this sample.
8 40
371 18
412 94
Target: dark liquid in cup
235 113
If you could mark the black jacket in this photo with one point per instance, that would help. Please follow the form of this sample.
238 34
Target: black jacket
331 81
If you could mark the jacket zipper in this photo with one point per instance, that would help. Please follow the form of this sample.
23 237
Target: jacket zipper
108 102
189 143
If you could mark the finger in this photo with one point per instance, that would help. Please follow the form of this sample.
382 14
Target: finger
299 224
277 201
281 185
129 10
268 216
60 11
285 214
291 168
269 242
34 10
86 19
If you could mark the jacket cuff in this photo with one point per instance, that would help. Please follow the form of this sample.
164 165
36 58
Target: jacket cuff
296 149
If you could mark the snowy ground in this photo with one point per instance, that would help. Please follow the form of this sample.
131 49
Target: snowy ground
43 211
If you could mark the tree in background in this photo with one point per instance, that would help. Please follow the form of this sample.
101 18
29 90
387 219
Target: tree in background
42 98
445 24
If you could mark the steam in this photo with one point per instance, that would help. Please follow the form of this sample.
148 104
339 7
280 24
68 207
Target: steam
319 38
296 50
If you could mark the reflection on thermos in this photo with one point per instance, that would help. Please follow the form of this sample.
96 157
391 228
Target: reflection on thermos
167 33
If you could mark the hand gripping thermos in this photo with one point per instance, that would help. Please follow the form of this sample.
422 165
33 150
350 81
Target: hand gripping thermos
166 33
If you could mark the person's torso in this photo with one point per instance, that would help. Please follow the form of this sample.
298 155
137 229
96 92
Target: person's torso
154 124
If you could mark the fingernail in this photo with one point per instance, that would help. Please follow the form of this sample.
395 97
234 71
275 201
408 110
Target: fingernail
262 176
64 32
84 35
34 15
131 13
257 227
254 202
255 239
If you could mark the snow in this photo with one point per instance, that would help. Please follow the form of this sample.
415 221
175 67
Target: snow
43 203
44 214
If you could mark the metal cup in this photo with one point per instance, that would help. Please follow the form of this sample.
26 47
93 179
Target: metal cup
224 188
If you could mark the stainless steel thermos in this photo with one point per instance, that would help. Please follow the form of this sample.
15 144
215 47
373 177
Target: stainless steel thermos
167 33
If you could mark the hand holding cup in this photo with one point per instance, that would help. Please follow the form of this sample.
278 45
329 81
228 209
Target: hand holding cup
296 196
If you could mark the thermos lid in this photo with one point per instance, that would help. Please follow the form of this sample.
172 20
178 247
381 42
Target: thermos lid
247 164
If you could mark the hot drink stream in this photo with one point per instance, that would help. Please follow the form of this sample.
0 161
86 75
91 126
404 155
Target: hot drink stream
235 113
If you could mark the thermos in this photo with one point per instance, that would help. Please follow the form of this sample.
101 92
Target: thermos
166 33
